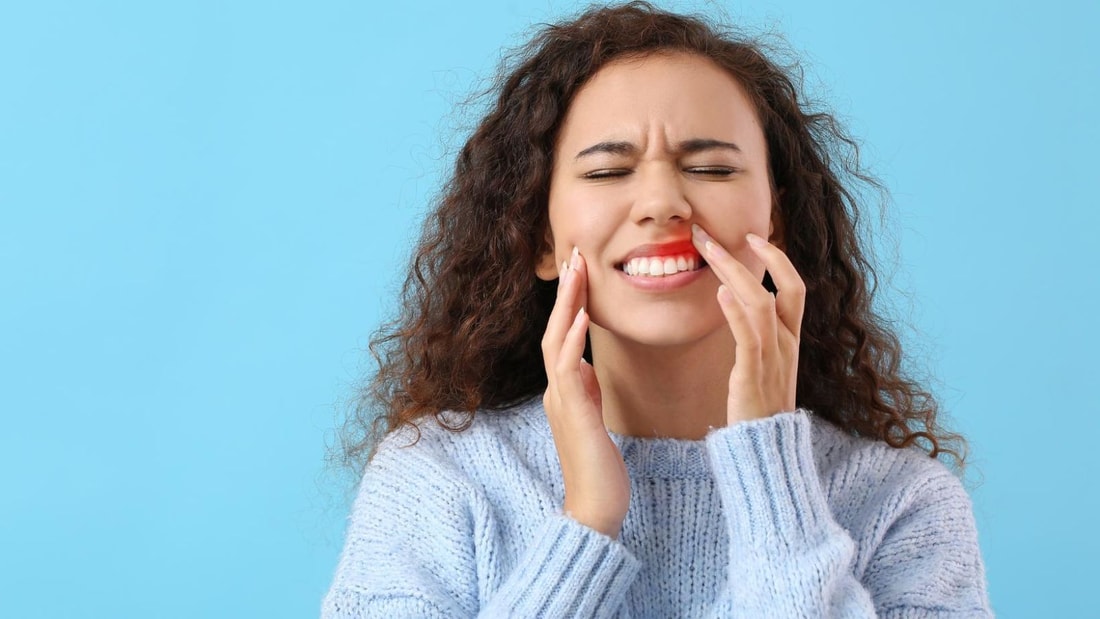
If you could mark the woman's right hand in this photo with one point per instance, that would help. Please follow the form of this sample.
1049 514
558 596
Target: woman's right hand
597 487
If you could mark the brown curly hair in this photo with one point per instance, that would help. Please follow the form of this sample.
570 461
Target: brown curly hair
473 312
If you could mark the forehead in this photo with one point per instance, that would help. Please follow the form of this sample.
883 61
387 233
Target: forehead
677 95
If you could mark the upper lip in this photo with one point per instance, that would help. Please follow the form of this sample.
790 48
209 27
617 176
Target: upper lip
673 248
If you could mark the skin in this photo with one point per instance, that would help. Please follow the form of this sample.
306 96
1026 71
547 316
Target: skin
644 157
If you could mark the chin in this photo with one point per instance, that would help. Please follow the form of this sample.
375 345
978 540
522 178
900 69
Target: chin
661 329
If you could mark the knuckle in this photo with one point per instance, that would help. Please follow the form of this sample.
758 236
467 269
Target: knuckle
751 344
561 368
762 305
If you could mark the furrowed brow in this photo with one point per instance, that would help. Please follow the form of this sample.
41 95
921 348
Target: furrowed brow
614 148
701 144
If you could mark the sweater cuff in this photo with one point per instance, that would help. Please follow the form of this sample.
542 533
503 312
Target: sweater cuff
570 570
768 481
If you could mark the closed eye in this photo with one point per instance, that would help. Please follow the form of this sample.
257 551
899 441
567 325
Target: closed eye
609 173
713 170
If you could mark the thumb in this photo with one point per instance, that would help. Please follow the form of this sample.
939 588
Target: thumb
591 384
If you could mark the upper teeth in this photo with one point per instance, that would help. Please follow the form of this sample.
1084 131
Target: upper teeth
659 266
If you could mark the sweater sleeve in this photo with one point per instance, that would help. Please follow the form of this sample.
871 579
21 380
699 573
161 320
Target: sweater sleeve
413 543
790 558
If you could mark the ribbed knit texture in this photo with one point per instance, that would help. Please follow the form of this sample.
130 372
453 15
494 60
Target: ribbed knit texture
781 517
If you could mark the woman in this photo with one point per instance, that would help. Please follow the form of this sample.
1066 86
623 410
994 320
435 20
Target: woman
638 373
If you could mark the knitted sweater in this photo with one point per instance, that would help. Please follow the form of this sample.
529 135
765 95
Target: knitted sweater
781 517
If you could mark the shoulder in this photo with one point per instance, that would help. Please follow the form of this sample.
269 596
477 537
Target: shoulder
421 503
459 446
453 431
429 470
430 477
862 475
838 450
911 518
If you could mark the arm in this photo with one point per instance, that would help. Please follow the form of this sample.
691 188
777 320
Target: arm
790 558
421 543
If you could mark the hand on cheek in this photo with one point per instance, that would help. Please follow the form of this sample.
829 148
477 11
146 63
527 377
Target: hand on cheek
765 327
597 487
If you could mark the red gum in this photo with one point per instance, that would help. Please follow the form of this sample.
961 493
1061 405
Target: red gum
678 248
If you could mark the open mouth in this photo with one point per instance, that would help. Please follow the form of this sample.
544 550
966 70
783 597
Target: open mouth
662 266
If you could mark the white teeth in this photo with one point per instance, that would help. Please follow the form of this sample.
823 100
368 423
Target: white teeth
658 266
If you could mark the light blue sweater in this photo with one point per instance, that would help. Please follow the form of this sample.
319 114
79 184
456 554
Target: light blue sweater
781 517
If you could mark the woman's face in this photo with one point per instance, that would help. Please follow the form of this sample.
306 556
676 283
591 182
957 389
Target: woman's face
648 147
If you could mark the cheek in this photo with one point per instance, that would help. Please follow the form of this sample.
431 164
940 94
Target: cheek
575 220
755 218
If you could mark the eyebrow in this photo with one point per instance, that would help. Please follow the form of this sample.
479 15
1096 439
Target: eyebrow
694 145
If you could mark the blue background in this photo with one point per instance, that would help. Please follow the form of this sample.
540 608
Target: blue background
205 209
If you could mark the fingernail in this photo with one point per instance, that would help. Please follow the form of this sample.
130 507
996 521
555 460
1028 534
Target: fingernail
755 241
573 261
563 272
696 230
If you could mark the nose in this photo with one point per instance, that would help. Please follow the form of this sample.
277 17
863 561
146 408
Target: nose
660 195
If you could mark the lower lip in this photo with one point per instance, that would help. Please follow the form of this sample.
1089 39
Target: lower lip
665 283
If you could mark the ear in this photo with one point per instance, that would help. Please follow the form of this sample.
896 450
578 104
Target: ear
777 230
546 266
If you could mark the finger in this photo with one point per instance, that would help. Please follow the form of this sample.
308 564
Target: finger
572 295
746 286
567 370
591 384
791 298
729 269
579 267
746 337
561 317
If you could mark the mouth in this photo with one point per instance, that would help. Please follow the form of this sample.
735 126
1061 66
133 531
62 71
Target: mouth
662 266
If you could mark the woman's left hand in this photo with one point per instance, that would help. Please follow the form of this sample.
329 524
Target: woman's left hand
766 328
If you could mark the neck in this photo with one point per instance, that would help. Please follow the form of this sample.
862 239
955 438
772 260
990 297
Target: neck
670 391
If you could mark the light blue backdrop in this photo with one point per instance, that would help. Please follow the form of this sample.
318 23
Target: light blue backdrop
205 206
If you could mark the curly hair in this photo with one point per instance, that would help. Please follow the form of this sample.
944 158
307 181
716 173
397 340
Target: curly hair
473 312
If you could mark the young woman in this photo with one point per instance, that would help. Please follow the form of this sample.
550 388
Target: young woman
637 372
